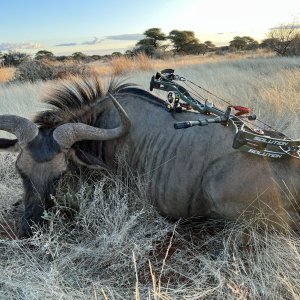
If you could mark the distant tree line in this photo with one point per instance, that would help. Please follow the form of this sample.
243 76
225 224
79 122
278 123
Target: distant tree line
283 40
15 58
183 42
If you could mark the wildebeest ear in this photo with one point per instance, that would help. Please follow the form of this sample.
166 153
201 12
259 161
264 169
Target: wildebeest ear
83 158
9 145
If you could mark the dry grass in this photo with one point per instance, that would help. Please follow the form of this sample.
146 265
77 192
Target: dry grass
116 246
125 65
6 74
285 89
121 65
141 62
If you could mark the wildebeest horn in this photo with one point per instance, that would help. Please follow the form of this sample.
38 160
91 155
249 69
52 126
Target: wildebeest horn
68 134
22 128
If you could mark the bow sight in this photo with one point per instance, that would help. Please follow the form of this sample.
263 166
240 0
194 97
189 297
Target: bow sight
270 143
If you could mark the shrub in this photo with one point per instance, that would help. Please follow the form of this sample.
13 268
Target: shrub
32 71
14 58
294 49
71 69
35 70
148 50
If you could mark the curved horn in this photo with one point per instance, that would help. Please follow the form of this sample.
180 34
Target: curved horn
22 128
68 134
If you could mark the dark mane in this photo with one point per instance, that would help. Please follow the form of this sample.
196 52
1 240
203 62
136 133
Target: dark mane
74 100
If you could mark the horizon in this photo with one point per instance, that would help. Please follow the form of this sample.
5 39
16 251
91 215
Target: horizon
103 28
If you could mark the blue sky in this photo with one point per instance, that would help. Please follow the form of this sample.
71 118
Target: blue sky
86 25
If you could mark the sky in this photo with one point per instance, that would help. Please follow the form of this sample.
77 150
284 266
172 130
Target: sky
101 27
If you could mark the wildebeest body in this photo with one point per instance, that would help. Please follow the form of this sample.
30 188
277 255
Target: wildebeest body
191 172
196 172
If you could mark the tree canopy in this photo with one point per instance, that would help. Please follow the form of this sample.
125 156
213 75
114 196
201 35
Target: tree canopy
182 39
44 54
243 43
209 44
78 56
153 38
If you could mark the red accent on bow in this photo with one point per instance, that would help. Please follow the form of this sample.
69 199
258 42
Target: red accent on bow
241 110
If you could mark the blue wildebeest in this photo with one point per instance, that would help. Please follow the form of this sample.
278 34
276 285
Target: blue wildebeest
193 172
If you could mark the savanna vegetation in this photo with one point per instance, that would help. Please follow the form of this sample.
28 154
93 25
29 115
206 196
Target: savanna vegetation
156 49
106 241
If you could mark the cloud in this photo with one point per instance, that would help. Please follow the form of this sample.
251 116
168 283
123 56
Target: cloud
13 46
222 33
297 26
126 37
96 40
66 45
92 42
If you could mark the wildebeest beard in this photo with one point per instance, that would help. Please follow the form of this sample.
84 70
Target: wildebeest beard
36 201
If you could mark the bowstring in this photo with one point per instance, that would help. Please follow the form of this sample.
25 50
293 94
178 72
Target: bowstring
229 103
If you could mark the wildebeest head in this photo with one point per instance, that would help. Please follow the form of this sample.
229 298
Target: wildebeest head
44 153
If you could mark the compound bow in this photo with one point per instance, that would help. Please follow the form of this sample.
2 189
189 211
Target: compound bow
270 143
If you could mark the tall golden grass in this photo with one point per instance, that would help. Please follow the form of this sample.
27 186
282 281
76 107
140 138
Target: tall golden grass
141 62
286 89
6 74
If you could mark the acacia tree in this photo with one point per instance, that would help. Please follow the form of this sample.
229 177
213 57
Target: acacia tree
44 54
209 44
284 39
78 56
151 43
153 38
182 40
243 43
